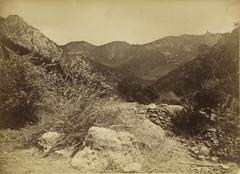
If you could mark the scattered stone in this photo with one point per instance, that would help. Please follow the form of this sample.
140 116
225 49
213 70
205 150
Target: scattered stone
214 159
48 140
151 107
63 153
224 166
143 111
212 130
156 121
160 117
153 115
201 157
172 110
203 150
195 150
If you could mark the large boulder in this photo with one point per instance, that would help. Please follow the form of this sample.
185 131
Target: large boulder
107 150
48 140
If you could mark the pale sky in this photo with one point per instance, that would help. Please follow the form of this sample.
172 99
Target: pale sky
133 21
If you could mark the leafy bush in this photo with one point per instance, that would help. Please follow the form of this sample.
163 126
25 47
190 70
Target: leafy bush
17 94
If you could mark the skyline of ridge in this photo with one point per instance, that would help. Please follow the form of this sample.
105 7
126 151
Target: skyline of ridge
136 22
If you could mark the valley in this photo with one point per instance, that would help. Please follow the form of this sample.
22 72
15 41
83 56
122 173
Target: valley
168 106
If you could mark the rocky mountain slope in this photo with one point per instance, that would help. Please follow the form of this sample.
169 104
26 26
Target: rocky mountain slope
217 68
22 38
149 61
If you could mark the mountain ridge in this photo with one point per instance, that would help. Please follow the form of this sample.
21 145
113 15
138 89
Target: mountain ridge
160 56
16 32
206 71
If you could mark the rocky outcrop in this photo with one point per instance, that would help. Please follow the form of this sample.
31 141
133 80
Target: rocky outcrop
16 32
107 150
162 114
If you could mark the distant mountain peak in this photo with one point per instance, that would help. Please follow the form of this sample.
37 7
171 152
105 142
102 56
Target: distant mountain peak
15 30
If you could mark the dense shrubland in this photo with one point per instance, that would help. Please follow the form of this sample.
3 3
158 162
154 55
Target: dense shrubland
209 88
62 96
132 89
206 119
18 93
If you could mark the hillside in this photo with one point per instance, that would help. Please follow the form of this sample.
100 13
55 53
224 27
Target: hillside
63 109
23 38
48 71
149 61
216 68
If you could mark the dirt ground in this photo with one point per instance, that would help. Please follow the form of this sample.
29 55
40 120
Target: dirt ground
15 160
170 156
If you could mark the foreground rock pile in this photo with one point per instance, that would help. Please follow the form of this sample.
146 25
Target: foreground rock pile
162 114
134 144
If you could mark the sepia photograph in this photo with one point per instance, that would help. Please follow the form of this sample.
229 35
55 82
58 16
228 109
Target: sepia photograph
119 86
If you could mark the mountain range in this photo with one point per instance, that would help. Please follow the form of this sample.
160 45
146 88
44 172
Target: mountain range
172 63
216 70
148 61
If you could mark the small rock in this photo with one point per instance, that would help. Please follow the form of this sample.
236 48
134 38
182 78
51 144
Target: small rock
224 166
65 153
59 122
204 151
214 159
212 130
157 121
153 115
143 111
201 157
151 107
48 140
195 150
161 118
132 168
